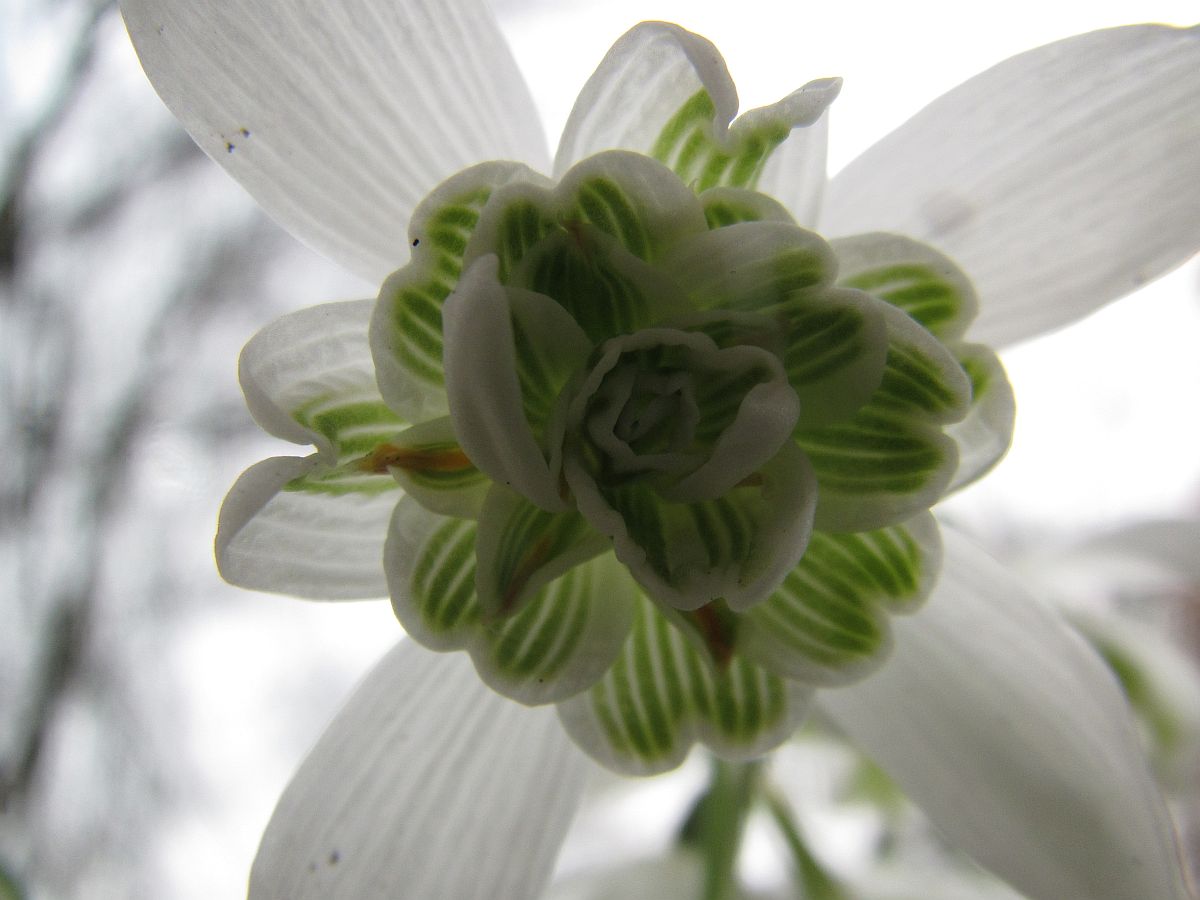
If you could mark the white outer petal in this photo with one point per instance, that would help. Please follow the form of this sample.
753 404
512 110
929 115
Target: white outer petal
313 545
1060 180
426 785
1013 736
339 116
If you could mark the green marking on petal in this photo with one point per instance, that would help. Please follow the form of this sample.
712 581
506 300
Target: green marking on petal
354 425
724 206
688 145
751 266
662 694
984 435
431 466
559 642
910 276
877 469
406 331
522 547
827 623
430 563
607 290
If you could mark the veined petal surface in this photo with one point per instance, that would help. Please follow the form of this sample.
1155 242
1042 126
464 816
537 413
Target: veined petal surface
307 378
647 76
1013 736
312 527
663 693
339 117
1060 179
429 783
562 638
307 543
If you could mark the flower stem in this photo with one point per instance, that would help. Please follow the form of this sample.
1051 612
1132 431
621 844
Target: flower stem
715 825
816 882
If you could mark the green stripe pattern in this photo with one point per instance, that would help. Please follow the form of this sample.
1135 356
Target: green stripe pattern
822 340
601 202
731 206
442 584
717 539
876 469
828 621
416 293
663 693
354 425
559 642
917 288
687 145
525 541
588 277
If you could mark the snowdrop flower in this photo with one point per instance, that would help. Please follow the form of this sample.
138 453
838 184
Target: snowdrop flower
652 433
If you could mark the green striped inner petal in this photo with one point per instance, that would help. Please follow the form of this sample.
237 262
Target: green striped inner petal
606 289
911 276
827 623
921 377
687 144
564 638
354 425
522 547
631 198
429 464
406 332
662 694
983 437
559 642
751 266
725 206
836 345
877 469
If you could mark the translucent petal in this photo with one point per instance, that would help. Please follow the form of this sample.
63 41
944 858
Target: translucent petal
427 784
428 463
796 173
315 544
649 73
484 384
751 265
339 118
737 547
1012 735
520 547
562 639
406 330
829 620
1060 180
663 694
892 459
308 379
705 156
926 284
984 435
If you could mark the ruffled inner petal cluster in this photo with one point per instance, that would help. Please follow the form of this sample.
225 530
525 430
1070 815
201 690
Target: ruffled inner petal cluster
663 456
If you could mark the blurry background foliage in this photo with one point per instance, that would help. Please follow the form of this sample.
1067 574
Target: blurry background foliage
149 714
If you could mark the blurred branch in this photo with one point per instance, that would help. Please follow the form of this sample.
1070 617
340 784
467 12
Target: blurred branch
24 156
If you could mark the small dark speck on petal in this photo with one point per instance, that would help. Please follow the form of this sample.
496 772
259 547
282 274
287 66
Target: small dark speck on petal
229 147
245 132
334 857
416 241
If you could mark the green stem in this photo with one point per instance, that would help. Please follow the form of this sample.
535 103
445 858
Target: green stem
817 883
714 827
